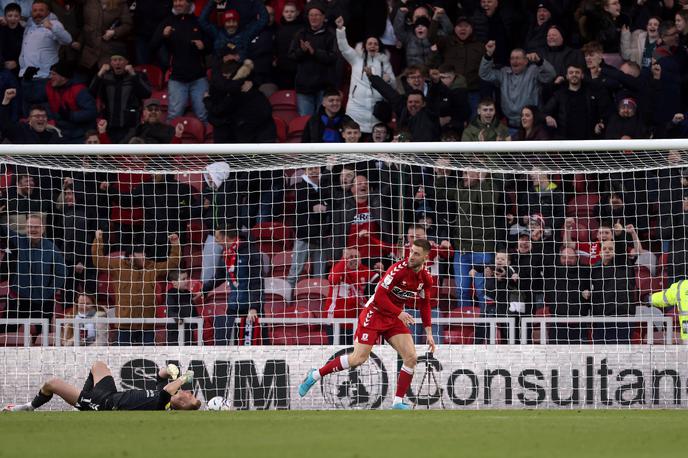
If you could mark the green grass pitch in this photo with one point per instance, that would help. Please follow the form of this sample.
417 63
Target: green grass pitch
422 434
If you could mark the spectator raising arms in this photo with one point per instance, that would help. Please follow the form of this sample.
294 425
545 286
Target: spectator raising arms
314 51
362 96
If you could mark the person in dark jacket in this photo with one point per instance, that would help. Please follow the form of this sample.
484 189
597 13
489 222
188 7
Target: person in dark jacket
499 21
238 111
179 302
567 289
243 272
70 104
73 232
122 91
673 63
167 208
151 129
533 125
411 110
451 100
314 49
313 206
626 122
182 34
610 295
575 111
261 50
285 67
147 15
325 126
35 131
464 52
555 51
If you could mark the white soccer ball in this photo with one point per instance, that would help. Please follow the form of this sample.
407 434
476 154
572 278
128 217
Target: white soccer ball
218 403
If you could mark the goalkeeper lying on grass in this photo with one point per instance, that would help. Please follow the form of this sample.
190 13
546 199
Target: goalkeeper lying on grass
100 393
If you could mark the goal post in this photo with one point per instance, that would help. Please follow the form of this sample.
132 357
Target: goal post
251 263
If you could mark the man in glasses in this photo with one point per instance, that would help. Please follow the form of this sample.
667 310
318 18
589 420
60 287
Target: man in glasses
36 130
152 129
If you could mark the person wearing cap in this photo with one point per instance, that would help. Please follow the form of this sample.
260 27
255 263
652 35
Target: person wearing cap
461 50
230 31
122 91
188 45
417 41
43 36
519 83
151 129
537 30
560 56
106 30
70 104
625 123
314 49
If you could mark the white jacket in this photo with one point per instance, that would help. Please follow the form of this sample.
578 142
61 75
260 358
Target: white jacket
632 45
362 97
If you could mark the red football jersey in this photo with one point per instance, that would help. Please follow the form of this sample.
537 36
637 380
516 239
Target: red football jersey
401 288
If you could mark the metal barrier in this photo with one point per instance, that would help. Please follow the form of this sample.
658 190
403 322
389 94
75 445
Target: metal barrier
76 322
649 321
338 322
44 323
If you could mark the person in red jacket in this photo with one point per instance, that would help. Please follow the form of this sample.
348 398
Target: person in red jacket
349 282
405 285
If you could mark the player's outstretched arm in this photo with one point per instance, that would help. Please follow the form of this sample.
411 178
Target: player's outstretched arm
175 385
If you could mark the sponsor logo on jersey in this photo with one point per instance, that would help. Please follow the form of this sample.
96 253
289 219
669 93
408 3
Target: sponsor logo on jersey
403 294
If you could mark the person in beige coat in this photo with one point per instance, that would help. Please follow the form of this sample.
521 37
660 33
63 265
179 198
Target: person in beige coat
107 25
134 284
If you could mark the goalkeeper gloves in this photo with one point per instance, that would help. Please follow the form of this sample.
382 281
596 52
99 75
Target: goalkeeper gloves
173 371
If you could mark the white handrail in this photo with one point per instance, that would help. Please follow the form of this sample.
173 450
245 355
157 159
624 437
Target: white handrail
649 321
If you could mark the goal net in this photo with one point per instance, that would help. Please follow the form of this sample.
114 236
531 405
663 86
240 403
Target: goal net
251 264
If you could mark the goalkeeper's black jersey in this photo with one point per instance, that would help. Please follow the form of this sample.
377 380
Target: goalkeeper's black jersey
156 399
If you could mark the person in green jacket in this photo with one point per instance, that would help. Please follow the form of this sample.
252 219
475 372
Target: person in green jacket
486 126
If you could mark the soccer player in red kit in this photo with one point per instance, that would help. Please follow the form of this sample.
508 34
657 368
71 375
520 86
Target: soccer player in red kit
406 284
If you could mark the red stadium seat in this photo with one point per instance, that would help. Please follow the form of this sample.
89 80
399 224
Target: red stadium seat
209 134
194 130
153 73
296 128
273 237
284 105
583 205
311 294
281 126
281 264
460 334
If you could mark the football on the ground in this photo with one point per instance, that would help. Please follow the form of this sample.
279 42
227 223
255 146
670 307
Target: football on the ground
218 403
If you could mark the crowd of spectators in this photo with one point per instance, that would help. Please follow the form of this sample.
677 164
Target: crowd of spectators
116 71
